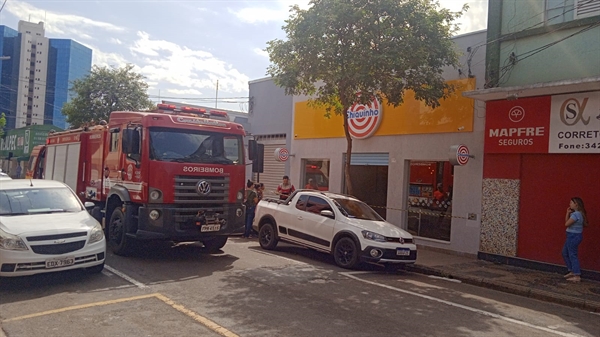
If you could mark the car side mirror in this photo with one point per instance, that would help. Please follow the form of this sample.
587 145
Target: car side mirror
89 204
328 214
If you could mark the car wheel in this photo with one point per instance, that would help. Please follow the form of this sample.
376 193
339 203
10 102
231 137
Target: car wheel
215 244
267 237
345 253
95 269
118 241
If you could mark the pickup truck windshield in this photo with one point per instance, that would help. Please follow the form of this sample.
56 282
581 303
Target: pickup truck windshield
36 201
357 210
191 146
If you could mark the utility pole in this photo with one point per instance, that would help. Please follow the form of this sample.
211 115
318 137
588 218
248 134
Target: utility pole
217 94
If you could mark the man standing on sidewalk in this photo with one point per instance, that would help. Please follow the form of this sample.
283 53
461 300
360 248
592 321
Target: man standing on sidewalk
250 200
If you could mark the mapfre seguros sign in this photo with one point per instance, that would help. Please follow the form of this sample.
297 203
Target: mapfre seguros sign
364 119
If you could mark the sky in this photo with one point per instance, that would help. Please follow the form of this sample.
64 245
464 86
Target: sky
184 47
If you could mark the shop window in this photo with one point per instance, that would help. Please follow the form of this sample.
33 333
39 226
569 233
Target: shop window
316 174
430 199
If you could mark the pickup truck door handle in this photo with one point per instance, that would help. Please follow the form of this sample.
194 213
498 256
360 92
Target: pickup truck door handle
299 218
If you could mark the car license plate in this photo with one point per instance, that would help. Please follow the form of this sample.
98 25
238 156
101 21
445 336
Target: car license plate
57 263
210 228
403 251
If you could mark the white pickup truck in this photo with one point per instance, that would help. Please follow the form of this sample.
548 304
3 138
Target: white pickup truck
337 224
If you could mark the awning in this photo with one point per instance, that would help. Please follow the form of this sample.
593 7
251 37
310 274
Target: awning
538 89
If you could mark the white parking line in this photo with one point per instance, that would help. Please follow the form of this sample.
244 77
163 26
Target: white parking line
282 257
445 279
482 312
126 277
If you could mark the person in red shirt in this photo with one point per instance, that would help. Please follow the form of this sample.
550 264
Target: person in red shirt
285 189
311 185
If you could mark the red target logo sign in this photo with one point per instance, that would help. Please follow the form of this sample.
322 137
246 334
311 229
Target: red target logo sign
459 155
364 119
462 155
282 154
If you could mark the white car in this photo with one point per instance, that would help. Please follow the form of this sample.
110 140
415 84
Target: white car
337 224
4 176
45 228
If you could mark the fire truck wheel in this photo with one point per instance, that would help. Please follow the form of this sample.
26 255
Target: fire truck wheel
117 237
267 237
214 244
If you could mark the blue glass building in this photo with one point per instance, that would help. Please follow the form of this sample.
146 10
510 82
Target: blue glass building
67 61
9 73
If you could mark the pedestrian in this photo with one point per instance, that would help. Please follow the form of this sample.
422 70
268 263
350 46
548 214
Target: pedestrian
260 190
285 189
311 185
19 169
250 200
575 220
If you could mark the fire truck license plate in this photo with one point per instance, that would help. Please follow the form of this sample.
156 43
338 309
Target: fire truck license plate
210 228
56 263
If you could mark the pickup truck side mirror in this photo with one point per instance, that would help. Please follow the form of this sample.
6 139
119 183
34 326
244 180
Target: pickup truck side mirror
88 205
328 214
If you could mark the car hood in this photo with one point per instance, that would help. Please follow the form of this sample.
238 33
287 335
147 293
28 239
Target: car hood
380 227
47 223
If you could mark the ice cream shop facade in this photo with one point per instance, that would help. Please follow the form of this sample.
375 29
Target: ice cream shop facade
539 152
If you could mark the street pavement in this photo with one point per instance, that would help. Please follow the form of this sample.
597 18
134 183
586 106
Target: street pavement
536 284
291 291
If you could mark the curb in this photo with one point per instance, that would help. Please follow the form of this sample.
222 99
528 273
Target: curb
543 295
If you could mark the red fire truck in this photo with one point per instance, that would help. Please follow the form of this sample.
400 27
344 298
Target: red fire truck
172 174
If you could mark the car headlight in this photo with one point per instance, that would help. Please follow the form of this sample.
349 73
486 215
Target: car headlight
373 236
96 234
11 242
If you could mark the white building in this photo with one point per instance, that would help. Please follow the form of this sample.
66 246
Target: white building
33 70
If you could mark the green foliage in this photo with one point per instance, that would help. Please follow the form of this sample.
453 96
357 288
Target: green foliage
2 124
338 48
106 90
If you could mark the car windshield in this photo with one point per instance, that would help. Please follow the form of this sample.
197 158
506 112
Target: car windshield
191 146
35 201
356 209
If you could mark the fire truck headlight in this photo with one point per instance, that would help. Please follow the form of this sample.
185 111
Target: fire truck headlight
155 195
239 212
154 214
240 195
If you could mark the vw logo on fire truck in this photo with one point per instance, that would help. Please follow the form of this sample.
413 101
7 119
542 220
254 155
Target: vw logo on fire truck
363 120
203 187
459 155
281 154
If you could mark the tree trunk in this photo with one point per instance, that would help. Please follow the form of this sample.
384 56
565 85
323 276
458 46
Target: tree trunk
348 152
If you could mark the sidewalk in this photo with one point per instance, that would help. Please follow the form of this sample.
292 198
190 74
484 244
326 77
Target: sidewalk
536 284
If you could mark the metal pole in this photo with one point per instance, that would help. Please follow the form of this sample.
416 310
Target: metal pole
217 94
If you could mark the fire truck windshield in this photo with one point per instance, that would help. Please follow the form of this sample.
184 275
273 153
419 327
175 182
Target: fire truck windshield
191 146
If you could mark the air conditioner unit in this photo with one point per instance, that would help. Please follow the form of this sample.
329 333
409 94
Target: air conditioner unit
586 8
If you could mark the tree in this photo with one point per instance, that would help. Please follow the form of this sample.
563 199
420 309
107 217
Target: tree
2 124
378 48
103 91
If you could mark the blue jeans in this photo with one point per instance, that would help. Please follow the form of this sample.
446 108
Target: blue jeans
249 220
569 252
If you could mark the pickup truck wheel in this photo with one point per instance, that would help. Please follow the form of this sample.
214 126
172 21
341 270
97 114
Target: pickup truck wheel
215 244
118 241
267 238
345 253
